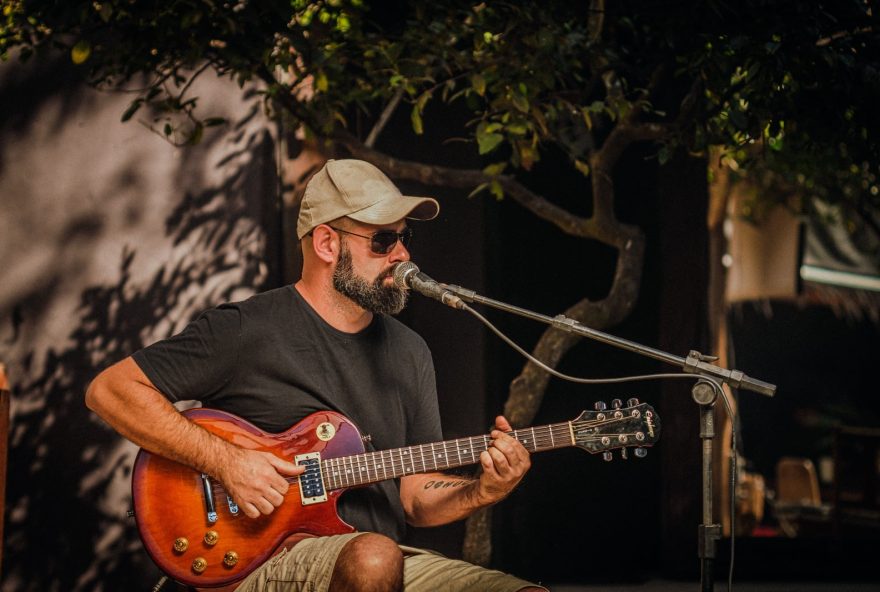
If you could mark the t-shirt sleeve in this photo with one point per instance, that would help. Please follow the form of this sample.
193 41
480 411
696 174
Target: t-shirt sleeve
199 360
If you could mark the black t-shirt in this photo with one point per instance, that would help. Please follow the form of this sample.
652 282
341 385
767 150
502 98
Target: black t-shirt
272 360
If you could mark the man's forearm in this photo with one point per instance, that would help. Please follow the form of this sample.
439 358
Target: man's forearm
434 499
126 399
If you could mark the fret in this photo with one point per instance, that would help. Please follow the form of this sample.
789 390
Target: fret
398 454
363 469
433 460
382 465
571 431
444 456
552 442
371 464
335 468
412 460
404 455
458 453
423 451
346 470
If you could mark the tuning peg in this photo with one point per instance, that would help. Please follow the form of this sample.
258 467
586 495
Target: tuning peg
606 456
632 402
617 403
641 452
600 406
623 454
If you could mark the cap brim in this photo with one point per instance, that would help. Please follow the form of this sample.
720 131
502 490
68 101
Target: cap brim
389 211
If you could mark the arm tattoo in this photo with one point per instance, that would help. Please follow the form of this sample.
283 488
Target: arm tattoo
444 483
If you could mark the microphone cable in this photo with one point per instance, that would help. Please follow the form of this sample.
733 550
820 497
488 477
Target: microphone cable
716 386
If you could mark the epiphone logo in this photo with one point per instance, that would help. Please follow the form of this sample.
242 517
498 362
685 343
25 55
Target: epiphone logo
325 431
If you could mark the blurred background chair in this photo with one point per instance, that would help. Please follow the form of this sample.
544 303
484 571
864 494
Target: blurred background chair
798 505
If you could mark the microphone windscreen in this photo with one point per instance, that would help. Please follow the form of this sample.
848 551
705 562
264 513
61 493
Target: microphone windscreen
402 271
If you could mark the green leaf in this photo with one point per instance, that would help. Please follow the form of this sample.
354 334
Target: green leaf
488 141
583 167
495 169
415 117
80 52
663 155
321 82
496 189
478 189
479 84
423 100
520 102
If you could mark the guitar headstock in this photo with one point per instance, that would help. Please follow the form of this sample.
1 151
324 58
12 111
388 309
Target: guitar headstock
603 430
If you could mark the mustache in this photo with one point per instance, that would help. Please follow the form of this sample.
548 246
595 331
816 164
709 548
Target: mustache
385 274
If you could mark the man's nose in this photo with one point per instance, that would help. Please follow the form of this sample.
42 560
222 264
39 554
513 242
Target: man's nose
399 252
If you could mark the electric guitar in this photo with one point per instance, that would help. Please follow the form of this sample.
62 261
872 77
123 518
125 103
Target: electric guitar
198 536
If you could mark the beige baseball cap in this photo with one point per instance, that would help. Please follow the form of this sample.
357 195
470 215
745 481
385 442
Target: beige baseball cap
362 192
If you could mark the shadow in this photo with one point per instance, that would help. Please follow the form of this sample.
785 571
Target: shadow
69 474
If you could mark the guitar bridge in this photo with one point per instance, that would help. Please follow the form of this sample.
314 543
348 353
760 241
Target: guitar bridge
311 482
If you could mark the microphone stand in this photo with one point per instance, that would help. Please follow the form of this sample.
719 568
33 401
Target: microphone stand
704 392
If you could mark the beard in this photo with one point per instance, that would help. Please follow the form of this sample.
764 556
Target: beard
374 297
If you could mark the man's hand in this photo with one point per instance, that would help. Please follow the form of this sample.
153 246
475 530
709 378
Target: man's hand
504 464
257 480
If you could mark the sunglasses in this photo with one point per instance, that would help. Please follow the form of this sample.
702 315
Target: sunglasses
382 241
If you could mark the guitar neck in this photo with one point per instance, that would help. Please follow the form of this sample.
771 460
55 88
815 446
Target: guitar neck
372 467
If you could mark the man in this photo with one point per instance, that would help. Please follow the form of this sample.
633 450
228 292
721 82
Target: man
326 342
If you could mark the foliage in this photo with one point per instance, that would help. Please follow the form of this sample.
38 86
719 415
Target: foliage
797 79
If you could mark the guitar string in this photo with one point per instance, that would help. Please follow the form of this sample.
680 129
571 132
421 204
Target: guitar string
355 470
543 438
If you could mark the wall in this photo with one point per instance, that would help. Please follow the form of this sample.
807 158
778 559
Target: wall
110 238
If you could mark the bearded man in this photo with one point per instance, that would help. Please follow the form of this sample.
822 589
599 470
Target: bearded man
328 342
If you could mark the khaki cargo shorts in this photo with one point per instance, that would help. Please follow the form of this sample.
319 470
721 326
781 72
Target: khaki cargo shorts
308 566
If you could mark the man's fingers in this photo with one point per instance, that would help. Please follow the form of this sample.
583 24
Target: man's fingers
502 424
286 467
250 510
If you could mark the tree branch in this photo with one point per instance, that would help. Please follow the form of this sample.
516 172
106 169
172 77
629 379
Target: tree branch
383 119
469 178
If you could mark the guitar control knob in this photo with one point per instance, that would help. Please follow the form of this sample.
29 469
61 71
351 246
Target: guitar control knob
606 456
180 544
600 406
617 403
230 558
199 564
641 452
211 538
632 402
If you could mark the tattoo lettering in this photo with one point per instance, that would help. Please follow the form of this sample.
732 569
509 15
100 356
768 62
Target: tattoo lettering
443 484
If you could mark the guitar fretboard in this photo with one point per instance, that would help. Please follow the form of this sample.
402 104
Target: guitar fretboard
372 467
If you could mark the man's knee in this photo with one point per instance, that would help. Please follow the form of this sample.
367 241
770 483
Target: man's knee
368 562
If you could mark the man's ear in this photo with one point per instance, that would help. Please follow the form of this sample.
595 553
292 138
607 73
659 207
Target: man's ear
325 243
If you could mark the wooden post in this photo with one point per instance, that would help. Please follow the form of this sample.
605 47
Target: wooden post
4 443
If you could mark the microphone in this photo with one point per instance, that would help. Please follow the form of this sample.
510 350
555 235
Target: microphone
407 276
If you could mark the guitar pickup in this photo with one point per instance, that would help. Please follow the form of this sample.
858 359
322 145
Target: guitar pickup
311 482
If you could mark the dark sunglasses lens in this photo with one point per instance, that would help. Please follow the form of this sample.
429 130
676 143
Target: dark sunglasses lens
384 240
